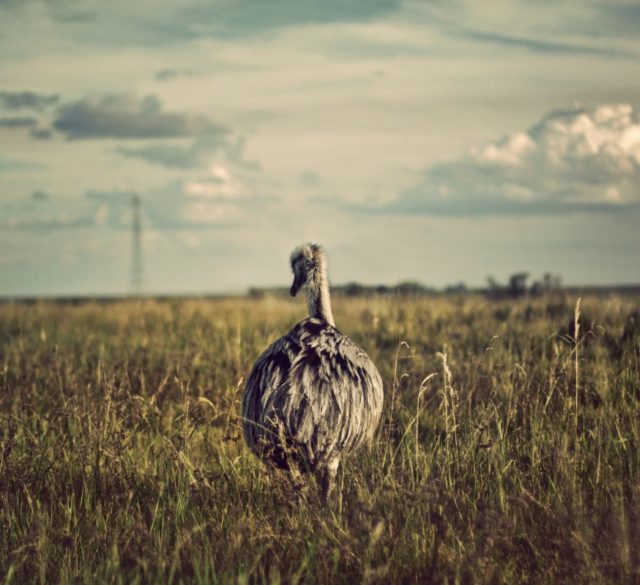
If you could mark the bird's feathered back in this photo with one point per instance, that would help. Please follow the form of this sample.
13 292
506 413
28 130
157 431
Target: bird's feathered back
312 396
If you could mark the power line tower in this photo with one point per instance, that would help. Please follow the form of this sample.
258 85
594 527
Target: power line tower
136 247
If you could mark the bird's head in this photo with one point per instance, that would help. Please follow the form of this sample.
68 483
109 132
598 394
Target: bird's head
305 261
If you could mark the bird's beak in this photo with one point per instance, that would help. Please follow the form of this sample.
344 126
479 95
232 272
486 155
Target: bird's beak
298 281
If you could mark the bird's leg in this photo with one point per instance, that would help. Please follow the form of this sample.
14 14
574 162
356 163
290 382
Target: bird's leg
328 479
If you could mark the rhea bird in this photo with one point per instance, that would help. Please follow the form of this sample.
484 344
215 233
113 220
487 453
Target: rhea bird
313 396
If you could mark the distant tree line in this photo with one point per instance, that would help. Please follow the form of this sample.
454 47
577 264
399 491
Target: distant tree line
356 289
406 288
517 286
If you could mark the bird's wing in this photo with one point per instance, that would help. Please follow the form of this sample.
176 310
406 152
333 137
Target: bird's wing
270 373
334 398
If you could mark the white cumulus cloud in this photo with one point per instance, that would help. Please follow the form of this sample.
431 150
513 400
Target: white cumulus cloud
578 159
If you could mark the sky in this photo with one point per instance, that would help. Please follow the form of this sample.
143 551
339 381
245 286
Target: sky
435 141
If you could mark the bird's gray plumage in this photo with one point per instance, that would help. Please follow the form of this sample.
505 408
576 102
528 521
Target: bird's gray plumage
313 396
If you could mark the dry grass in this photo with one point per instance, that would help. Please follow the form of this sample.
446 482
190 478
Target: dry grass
509 450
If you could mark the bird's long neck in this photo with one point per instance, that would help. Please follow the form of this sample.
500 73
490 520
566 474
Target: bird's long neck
318 298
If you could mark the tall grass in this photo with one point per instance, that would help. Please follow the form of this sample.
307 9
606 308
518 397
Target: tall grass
508 450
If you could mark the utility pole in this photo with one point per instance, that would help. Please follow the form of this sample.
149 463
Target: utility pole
136 252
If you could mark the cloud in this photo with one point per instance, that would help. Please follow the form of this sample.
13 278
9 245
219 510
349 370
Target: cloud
619 16
125 116
310 179
42 214
38 195
219 197
235 151
43 225
176 156
539 45
212 199
125 24
26 100
12 164
216 198
214 184
18 122
113 208
116 196
232 19
579 159
40 133
171 74
194 155
570 28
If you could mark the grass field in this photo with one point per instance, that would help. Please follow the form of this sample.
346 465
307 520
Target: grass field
509 450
